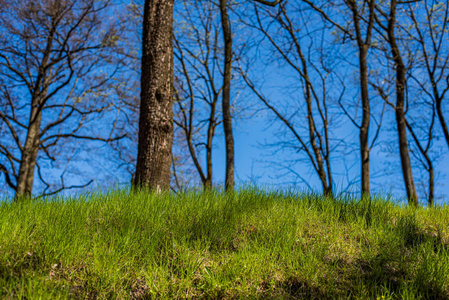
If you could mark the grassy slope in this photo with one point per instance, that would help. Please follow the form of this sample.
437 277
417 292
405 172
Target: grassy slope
252 244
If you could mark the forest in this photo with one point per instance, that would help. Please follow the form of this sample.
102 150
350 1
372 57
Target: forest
224 149
327 96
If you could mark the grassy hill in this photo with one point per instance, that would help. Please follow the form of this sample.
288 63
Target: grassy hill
209 245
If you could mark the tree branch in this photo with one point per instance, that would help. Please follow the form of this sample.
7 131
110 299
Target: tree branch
269 3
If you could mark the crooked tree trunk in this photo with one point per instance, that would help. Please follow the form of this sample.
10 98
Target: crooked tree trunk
156 103
412 196
227 119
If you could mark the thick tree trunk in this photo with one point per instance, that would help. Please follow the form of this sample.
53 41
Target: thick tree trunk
29 156
412 196
227 119
156 106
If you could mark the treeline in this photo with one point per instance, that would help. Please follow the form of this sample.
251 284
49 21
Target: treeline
145 89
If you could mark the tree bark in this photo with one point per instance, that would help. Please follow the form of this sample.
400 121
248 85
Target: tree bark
210 135
428 165
412 196
156 106
439 101
25 177
363 46
364 128
431 185
227 119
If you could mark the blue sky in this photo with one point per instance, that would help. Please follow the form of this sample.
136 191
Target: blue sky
254 161
258 164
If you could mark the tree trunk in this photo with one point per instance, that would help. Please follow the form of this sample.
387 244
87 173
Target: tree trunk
441 118
363 46
227 119
429 165
210 135
364 128
431 186
25 177
400 114
156 106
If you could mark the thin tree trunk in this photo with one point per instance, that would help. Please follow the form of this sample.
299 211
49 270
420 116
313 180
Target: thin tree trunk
441 118
412 196
227 119
364 128
363 46
156 106
431 186
210 136
429 165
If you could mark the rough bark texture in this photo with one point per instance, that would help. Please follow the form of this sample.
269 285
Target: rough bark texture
25 178
412 196
156 106
227 119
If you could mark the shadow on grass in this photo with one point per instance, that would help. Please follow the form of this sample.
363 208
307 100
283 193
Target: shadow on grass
295 288
407 263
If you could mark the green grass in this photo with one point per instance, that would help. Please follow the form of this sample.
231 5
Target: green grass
250 244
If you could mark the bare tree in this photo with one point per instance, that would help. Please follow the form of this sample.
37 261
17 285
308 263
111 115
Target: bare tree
310 132
426 37
156 107
198 82
360 30
423 153
430 31
422 130
389 34
55 71
226 106
363 44
128 89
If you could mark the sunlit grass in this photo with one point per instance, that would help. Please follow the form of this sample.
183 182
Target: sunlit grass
211 245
